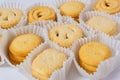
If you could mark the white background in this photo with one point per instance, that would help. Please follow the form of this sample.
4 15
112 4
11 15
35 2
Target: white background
9 73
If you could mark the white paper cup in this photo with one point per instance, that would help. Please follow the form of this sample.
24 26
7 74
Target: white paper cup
87 15
105 67
12 33
3 37
25 67
16 5
41 23
66 20
42 3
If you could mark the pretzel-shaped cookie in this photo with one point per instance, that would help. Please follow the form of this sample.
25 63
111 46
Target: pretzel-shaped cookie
41 13
9 17
108 6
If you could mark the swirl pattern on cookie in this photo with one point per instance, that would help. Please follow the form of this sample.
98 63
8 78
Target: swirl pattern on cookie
41 13
108 6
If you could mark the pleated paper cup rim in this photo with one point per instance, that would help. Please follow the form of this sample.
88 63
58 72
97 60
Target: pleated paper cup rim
15 5
89 14
42 3
105 67
41 23
3 35
12 33
57 74
67 20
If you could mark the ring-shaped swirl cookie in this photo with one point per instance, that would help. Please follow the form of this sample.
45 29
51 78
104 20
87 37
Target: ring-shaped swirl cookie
41 13
108 6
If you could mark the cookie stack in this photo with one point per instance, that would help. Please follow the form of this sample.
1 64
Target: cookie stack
92 54
21 46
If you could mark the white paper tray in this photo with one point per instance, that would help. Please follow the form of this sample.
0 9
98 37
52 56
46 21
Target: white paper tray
9 73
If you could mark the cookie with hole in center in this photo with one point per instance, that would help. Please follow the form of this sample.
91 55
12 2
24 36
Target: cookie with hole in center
10 17
108 6
41 13
65 35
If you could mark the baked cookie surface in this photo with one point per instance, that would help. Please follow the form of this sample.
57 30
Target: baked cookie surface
10 17
22 45
92 54
72 9
103 24
47 62
108 6
65 35
41 13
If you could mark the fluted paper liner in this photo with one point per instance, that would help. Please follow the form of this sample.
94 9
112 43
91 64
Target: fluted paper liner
67 20
3 36
42 3
12 33
15 5
60 74
41 23
84 17
105 67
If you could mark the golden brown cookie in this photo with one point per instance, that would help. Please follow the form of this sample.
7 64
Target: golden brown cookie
103 24
47 62
72 9
108 6
87 67
41 13
92 53
22 45
0 37
65 35
10 17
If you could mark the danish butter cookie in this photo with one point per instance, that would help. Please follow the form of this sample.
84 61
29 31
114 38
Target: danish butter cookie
65 35
41 13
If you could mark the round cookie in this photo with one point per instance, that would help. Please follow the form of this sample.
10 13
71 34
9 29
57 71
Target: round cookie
65 35
16 58
103 24
108 6
41 13
10 17
92 53
87 67
22 45
72 9
47 62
